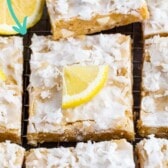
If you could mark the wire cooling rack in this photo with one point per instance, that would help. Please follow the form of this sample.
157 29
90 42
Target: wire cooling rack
43 28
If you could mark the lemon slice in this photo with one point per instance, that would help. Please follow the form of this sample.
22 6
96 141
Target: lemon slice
2 76
31 8
82 83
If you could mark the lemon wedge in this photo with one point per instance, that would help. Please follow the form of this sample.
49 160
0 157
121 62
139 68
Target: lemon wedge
31 8
82 83
2 76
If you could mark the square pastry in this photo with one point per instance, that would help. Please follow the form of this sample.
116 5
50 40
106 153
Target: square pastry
152 153
157 22
114 154
154 103
101 66
79 17
11 67
11 155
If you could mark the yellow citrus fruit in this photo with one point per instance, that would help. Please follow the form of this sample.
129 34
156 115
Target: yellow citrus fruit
2 76
31 8
82 83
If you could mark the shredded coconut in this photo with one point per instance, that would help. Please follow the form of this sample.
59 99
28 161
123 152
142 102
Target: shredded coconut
11 155
116 154
154 152
158 14
115 99
85 9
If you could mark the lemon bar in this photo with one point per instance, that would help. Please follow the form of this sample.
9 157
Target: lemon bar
12 155
112 154
11 68
107 115
80 17
157 22
152 152
154 103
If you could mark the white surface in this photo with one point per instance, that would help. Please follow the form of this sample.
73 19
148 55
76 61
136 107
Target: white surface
11 155
11 58
157 22
154 152
155 81
110 154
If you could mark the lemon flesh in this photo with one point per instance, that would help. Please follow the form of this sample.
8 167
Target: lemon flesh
31 8
82 83
2 76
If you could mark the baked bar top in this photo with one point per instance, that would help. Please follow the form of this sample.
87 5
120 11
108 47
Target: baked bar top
11 155
157 22
153 152
116 154
155 82
11 60
86 9
11 65
111 108
80 17
10 108
156 64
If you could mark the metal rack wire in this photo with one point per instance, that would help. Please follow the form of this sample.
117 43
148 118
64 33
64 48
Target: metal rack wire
43 28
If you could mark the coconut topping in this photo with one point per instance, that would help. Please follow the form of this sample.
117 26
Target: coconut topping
11 63
11 49
154 152
11 155
116 154
155 82
115 99
86 9
155 74
10 108
158 15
